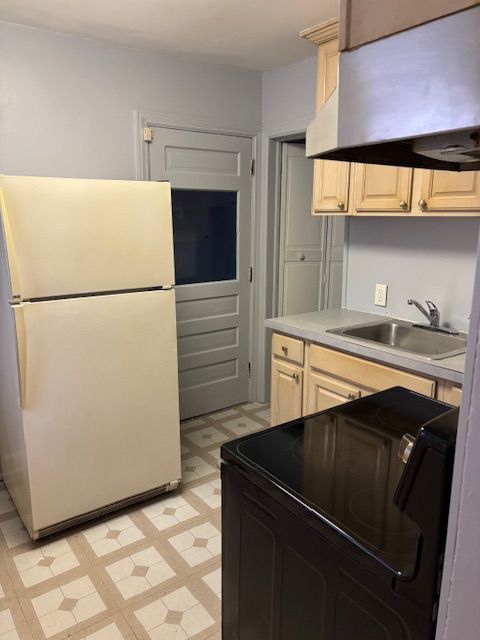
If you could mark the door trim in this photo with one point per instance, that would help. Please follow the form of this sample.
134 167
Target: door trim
144 118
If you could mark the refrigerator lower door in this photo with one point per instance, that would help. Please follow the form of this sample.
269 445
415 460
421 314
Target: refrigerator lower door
100 401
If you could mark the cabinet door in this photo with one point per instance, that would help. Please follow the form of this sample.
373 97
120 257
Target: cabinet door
380 189
330 178
330 187
452 394
449 191
324 392
287 391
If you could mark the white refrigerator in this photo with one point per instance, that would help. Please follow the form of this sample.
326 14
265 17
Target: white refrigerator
89 417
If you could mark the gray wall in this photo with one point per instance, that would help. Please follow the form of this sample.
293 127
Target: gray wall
421 259
288 105
288 96
67 102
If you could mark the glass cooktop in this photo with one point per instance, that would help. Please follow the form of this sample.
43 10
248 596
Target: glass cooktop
343 463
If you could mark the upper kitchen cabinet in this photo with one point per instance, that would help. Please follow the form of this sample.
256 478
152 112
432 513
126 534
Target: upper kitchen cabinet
330 178
382 190
447 193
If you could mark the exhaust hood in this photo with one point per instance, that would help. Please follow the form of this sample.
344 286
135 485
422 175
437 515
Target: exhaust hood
411 99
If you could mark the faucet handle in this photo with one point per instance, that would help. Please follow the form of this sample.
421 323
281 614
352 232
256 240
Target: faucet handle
434 313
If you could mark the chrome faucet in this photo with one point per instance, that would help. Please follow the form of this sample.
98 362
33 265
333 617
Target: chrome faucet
433 316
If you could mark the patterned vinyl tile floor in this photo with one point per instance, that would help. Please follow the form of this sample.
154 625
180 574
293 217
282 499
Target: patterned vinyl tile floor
149 572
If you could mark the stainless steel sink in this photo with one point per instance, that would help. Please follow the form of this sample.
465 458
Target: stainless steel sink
406 337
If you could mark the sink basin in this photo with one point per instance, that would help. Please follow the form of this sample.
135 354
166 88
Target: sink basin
406 337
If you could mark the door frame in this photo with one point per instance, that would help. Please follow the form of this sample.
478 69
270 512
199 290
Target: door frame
144 118
268 243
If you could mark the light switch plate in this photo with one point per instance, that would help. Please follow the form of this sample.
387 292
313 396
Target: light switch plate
381 295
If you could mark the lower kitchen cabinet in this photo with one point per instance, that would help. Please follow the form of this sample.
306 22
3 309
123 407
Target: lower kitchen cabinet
307 378
330 187
364 374
287 392
452 394
324 392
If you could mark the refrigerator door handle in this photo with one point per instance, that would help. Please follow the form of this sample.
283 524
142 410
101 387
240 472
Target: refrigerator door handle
21 335
10 247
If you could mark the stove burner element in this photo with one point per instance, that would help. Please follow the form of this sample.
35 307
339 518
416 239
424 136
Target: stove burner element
368 507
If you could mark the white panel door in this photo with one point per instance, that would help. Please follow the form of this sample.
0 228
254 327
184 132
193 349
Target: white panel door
100 402
301 236
211 202
69 236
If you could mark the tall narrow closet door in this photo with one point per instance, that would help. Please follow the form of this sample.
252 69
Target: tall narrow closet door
301 236
100 400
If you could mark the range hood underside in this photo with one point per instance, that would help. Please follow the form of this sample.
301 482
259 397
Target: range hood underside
399 154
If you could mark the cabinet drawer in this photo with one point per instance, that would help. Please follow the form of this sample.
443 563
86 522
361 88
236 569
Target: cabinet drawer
365 373
288 348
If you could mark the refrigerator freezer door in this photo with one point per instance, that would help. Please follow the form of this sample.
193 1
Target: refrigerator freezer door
70 236
100 411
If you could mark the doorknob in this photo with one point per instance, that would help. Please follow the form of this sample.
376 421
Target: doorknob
301 257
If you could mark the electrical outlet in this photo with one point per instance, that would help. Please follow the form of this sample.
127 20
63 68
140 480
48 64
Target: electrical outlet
381 295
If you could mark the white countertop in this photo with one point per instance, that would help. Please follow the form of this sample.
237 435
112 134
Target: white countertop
313 326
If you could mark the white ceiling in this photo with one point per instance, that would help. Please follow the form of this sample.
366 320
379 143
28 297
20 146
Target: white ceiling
253 34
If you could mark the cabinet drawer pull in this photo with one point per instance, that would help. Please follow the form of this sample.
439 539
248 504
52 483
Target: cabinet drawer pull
284 349
422 204
352 396
403 204
294 376
341 206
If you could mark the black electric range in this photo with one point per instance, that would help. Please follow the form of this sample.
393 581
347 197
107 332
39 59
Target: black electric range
334 482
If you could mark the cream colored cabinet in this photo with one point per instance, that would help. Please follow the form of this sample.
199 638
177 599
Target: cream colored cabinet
383 190
330 178
324 392
379 189
287 392
287 378
363 376
452 394
447 192
308 378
